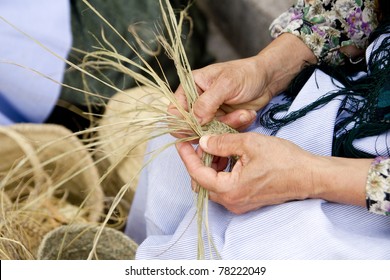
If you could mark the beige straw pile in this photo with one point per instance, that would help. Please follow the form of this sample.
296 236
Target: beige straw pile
167 123
43 186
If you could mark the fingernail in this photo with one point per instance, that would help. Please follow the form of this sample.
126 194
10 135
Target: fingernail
248 116
203 141
253 113
179 144
199 119
244 118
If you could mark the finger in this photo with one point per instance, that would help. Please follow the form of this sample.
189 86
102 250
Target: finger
206 106
180 132
184 134
352 51
223 145
205 176
194 186
180 101
239 119
189 155
211 99
175 109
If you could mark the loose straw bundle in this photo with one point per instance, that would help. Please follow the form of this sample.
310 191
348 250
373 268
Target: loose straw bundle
173 46
158 123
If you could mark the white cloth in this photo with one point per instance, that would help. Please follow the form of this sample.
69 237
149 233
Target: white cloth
26 96
162 215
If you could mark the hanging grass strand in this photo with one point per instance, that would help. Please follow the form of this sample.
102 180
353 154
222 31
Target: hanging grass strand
158 123
174 48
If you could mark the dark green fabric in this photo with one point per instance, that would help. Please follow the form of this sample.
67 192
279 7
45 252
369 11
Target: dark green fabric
383 106
87 28
366 103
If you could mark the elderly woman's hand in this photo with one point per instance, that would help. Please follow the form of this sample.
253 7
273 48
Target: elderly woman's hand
232 91
271 171
222 86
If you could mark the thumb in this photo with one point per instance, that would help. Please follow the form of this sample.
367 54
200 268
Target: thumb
223 145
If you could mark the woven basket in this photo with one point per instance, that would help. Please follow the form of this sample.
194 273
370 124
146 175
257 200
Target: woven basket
126 150
49 179
75 242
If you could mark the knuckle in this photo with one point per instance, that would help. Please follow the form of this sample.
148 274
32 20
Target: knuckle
235 210
220 142
232 203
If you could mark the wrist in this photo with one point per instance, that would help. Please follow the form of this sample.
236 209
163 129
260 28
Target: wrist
340 180
282 65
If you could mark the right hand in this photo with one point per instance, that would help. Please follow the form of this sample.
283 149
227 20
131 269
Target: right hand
233 91
237 84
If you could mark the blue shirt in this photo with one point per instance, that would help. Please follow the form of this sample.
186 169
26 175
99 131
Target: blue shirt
30 75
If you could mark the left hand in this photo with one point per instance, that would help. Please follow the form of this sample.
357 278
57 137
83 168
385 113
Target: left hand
271 171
